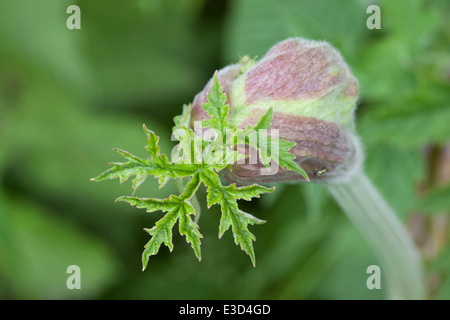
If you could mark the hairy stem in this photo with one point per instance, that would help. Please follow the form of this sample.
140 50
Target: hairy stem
400 260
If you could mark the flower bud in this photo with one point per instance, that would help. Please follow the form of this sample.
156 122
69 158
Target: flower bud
313 94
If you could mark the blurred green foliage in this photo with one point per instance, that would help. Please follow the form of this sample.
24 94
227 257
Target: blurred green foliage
67 97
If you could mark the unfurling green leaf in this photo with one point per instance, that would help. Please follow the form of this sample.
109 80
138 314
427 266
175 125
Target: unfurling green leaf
201 161
183 120
177 208
216 108
232 216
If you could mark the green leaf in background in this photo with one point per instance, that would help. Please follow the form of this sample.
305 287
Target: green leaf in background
435 201
413 23
255 25
29 33
396 173
410 123
402 130
42 246
151 53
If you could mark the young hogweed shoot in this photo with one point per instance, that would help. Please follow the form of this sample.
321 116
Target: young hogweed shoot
288 117
313 94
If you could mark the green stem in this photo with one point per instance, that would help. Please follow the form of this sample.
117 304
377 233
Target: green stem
399 258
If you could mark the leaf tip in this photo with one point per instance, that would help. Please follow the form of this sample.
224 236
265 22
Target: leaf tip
121 198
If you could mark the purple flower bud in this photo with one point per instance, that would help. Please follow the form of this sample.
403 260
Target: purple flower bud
313 94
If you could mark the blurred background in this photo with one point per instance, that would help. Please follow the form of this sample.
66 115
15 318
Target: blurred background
67 97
